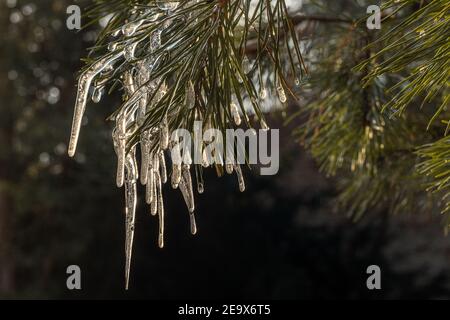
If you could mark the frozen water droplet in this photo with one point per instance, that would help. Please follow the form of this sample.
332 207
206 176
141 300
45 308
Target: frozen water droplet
263 94
235 114
281 94
200 188
193 224
97 94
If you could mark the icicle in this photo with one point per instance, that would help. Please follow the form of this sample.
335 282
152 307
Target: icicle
241 181
190 96
154 203
281 94
205 159
186 188
229 168
162 165
130 212
145 160
200 188
235 114
193 224
84 83
97 94
132 166
160 205
188 180
164 132
176 175
156 162
120 146
150 185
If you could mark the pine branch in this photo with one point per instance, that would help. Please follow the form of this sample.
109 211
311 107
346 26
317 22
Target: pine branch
177 63
419 47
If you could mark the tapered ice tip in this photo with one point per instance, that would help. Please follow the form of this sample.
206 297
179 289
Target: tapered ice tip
161 241
71 150
71 153
193 225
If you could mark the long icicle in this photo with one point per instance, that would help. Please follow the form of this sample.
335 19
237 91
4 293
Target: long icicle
145 160
150 185
160 211
156 181
130 212
162 165
119 137
84 83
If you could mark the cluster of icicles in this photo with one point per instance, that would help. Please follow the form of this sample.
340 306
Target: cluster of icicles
154 142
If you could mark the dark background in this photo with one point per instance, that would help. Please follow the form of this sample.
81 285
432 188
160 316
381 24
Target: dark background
281 239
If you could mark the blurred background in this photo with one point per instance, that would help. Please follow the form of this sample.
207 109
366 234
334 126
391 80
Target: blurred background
281 239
